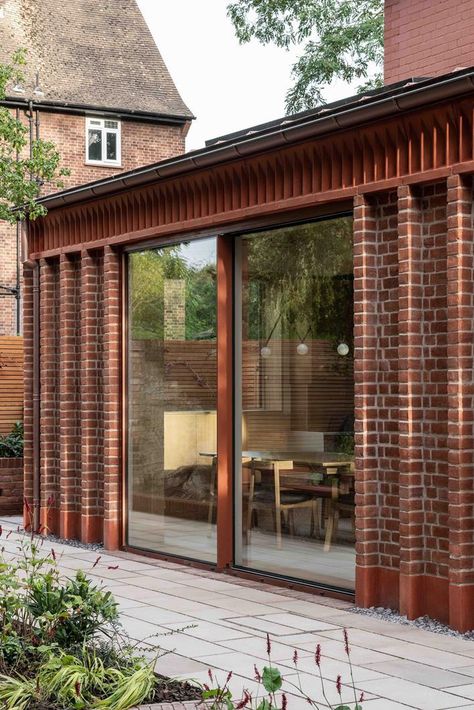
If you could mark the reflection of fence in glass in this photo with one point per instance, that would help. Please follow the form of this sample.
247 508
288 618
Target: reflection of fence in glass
315 394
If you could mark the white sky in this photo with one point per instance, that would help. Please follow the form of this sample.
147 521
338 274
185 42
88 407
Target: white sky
228 87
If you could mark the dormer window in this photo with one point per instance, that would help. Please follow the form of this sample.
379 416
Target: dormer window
102 141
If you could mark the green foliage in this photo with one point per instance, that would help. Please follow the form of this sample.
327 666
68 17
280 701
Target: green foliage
77 608
271 679
149 271
271 682
130 689
305 274
22 173
337 39
52 648
11 445
16 693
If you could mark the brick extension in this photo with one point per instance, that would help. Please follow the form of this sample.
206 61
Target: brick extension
414 329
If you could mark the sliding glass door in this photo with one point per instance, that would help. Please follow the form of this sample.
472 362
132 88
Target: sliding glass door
172 393
294 393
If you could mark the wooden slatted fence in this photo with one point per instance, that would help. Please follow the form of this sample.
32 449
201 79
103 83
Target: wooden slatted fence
11 382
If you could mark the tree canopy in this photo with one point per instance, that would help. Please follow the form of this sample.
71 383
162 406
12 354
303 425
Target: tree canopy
149 270
338 39
22 172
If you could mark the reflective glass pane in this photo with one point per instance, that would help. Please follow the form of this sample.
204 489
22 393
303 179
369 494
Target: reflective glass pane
111 146
295 402
172 400
94 144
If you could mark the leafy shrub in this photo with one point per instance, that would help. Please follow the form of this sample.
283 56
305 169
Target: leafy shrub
11 445
78 609
54 651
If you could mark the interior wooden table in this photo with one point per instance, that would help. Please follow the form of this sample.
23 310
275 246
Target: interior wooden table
339 466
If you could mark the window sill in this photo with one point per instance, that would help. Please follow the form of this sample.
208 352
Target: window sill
100 164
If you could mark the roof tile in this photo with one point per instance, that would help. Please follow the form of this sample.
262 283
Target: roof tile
91 53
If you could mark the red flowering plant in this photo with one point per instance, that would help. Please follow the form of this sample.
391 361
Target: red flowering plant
269 694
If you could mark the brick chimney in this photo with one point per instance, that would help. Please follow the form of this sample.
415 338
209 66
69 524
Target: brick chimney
427 38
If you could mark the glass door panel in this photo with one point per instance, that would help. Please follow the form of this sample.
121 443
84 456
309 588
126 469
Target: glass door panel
295 510
172 392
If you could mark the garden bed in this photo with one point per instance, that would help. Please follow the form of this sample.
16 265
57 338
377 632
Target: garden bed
62 646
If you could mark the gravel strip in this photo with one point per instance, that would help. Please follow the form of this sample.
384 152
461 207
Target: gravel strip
423 622
94 546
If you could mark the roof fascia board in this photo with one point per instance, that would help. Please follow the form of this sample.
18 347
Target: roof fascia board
83 109
351 117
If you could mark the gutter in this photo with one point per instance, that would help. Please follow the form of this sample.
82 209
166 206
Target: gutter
89 109
351 115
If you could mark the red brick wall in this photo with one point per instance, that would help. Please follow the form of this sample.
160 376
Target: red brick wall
427 37
414 358
435 379
376 343
460 299
142 143
11 486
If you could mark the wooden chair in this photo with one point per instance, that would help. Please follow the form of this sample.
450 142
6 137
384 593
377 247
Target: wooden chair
212 493
339 498
283 499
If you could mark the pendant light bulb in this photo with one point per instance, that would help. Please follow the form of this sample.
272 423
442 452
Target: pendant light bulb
265 352
343 349
302 349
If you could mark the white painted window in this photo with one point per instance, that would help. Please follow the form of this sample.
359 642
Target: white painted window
102 141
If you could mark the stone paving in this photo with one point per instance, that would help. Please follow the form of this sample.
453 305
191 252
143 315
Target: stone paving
224 622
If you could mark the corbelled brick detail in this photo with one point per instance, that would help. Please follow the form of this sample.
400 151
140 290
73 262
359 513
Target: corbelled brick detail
80 348
427 37
11 486
376 396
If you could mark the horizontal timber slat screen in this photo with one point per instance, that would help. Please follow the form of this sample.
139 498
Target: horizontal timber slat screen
11 382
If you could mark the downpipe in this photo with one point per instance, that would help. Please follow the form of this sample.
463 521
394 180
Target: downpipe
34 267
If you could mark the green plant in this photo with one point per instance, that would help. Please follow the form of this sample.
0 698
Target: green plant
22 172
270 683
60 642
71 680
335 39
11 445
131 689
16 693
71 613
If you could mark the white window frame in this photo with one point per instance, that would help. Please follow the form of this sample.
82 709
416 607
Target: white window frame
97 123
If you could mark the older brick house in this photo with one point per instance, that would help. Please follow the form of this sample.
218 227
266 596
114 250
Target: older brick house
97 86
259 356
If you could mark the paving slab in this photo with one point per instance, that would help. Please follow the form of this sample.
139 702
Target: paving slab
396 666
421 674
413 694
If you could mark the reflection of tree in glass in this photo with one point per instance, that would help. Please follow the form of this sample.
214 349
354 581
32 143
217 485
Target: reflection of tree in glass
307 271
148 272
